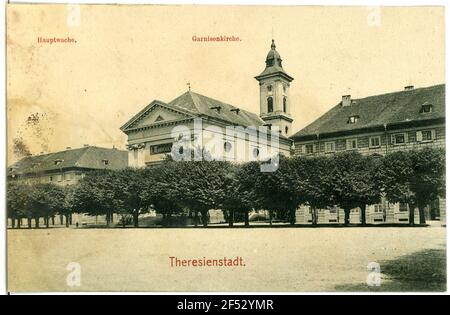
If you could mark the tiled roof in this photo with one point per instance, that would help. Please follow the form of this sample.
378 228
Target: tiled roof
89 157
203 105
375 111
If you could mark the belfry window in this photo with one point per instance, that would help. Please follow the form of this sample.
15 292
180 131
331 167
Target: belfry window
269 104
285 104
227 146
269 88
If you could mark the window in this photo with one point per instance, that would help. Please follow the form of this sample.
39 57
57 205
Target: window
58 161
329 147
284 89
51 178
374 142
403 207
255 152
425 135
378 208
353 119
398 138
269 104
269 88
286 130
426 108
284 104
105 162
352 144
309 148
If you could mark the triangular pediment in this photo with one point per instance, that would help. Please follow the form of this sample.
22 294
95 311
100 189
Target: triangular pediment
156 113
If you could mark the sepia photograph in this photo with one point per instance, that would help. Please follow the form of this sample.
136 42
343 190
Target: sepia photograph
225 148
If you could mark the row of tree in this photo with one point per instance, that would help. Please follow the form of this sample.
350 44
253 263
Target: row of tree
348 180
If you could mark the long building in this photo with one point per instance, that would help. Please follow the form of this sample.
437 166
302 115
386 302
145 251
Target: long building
404 120
66 167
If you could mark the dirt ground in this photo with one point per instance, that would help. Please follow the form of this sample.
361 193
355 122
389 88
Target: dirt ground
276 259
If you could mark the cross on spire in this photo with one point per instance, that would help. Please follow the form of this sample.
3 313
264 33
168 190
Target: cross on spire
189 85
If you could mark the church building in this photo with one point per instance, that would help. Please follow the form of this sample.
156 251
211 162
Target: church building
151 131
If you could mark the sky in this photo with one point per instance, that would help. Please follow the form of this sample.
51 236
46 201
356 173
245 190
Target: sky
124 56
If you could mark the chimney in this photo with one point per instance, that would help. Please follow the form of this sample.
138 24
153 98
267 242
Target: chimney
85 145
346 100
68 148
409 87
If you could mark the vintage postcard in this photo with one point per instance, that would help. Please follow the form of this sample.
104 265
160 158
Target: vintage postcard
204 148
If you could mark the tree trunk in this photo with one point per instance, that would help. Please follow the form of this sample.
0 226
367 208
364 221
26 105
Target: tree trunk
67 220
108 219
231 218
204 218
19 222
363 214
246 219
270 217
29 223
411 214
70 218
53 220
136 219
422 212
36 222
61 219
347 216
292 216
314 215
432 214
195 218
47 221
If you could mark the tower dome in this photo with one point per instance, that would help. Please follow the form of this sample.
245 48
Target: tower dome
273 64
273 57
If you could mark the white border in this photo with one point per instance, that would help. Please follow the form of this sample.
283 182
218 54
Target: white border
198 2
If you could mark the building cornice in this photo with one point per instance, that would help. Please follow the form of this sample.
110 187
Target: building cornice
376 128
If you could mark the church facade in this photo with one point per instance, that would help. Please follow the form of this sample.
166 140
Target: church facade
193 121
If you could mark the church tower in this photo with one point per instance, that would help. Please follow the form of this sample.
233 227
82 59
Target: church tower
274 82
